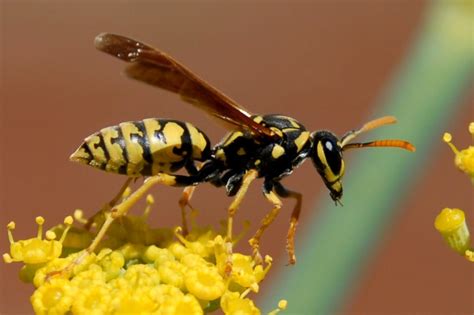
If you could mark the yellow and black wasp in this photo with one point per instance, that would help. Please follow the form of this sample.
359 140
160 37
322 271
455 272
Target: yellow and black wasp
268 146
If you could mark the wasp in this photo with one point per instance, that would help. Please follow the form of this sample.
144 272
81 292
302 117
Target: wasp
258 146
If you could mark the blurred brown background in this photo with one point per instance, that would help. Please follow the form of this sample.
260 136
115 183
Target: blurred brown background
321 62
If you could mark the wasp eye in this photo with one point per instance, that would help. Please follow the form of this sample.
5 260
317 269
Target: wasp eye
333 156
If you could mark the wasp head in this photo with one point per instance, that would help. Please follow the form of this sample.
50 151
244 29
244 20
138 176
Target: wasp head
328 160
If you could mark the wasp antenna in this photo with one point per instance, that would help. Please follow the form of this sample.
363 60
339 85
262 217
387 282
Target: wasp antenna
394 143
382 121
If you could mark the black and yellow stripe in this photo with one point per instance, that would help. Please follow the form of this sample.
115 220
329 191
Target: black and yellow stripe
144 148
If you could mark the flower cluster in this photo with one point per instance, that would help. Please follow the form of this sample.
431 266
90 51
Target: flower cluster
137 269
451 223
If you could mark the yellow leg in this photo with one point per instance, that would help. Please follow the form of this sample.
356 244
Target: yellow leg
120 210
290 239
108 205
249 177
269 218
183 203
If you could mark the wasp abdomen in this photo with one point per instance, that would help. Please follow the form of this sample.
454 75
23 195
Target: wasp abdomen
143 148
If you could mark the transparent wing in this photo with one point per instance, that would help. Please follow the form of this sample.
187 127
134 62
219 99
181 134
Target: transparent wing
152 66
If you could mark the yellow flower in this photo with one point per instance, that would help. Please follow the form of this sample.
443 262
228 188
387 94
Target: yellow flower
54 297
165 293
112 264
194 260
88 278
57 268
142 276
154 274
261 272
154 254
178 250
53 266
36 250
233 303
221 252
133 301
172 272
93 300
198 241
451 223
246 273
205 283
184 304
132 251
464 159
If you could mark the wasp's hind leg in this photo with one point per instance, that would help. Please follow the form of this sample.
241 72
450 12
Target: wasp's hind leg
200 174
273 190
295 214
243 183
267 220
109 205
183 203
122 209
187 194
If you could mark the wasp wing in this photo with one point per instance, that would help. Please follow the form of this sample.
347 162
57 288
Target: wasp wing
154 67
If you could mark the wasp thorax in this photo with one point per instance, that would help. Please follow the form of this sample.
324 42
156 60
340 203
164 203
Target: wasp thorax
327 158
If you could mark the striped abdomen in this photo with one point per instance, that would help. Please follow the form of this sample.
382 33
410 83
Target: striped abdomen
144 148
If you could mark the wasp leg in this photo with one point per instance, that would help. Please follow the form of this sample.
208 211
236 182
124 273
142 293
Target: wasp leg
248 178
267 220
109 205
183 203
187 195
123 208
290 239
